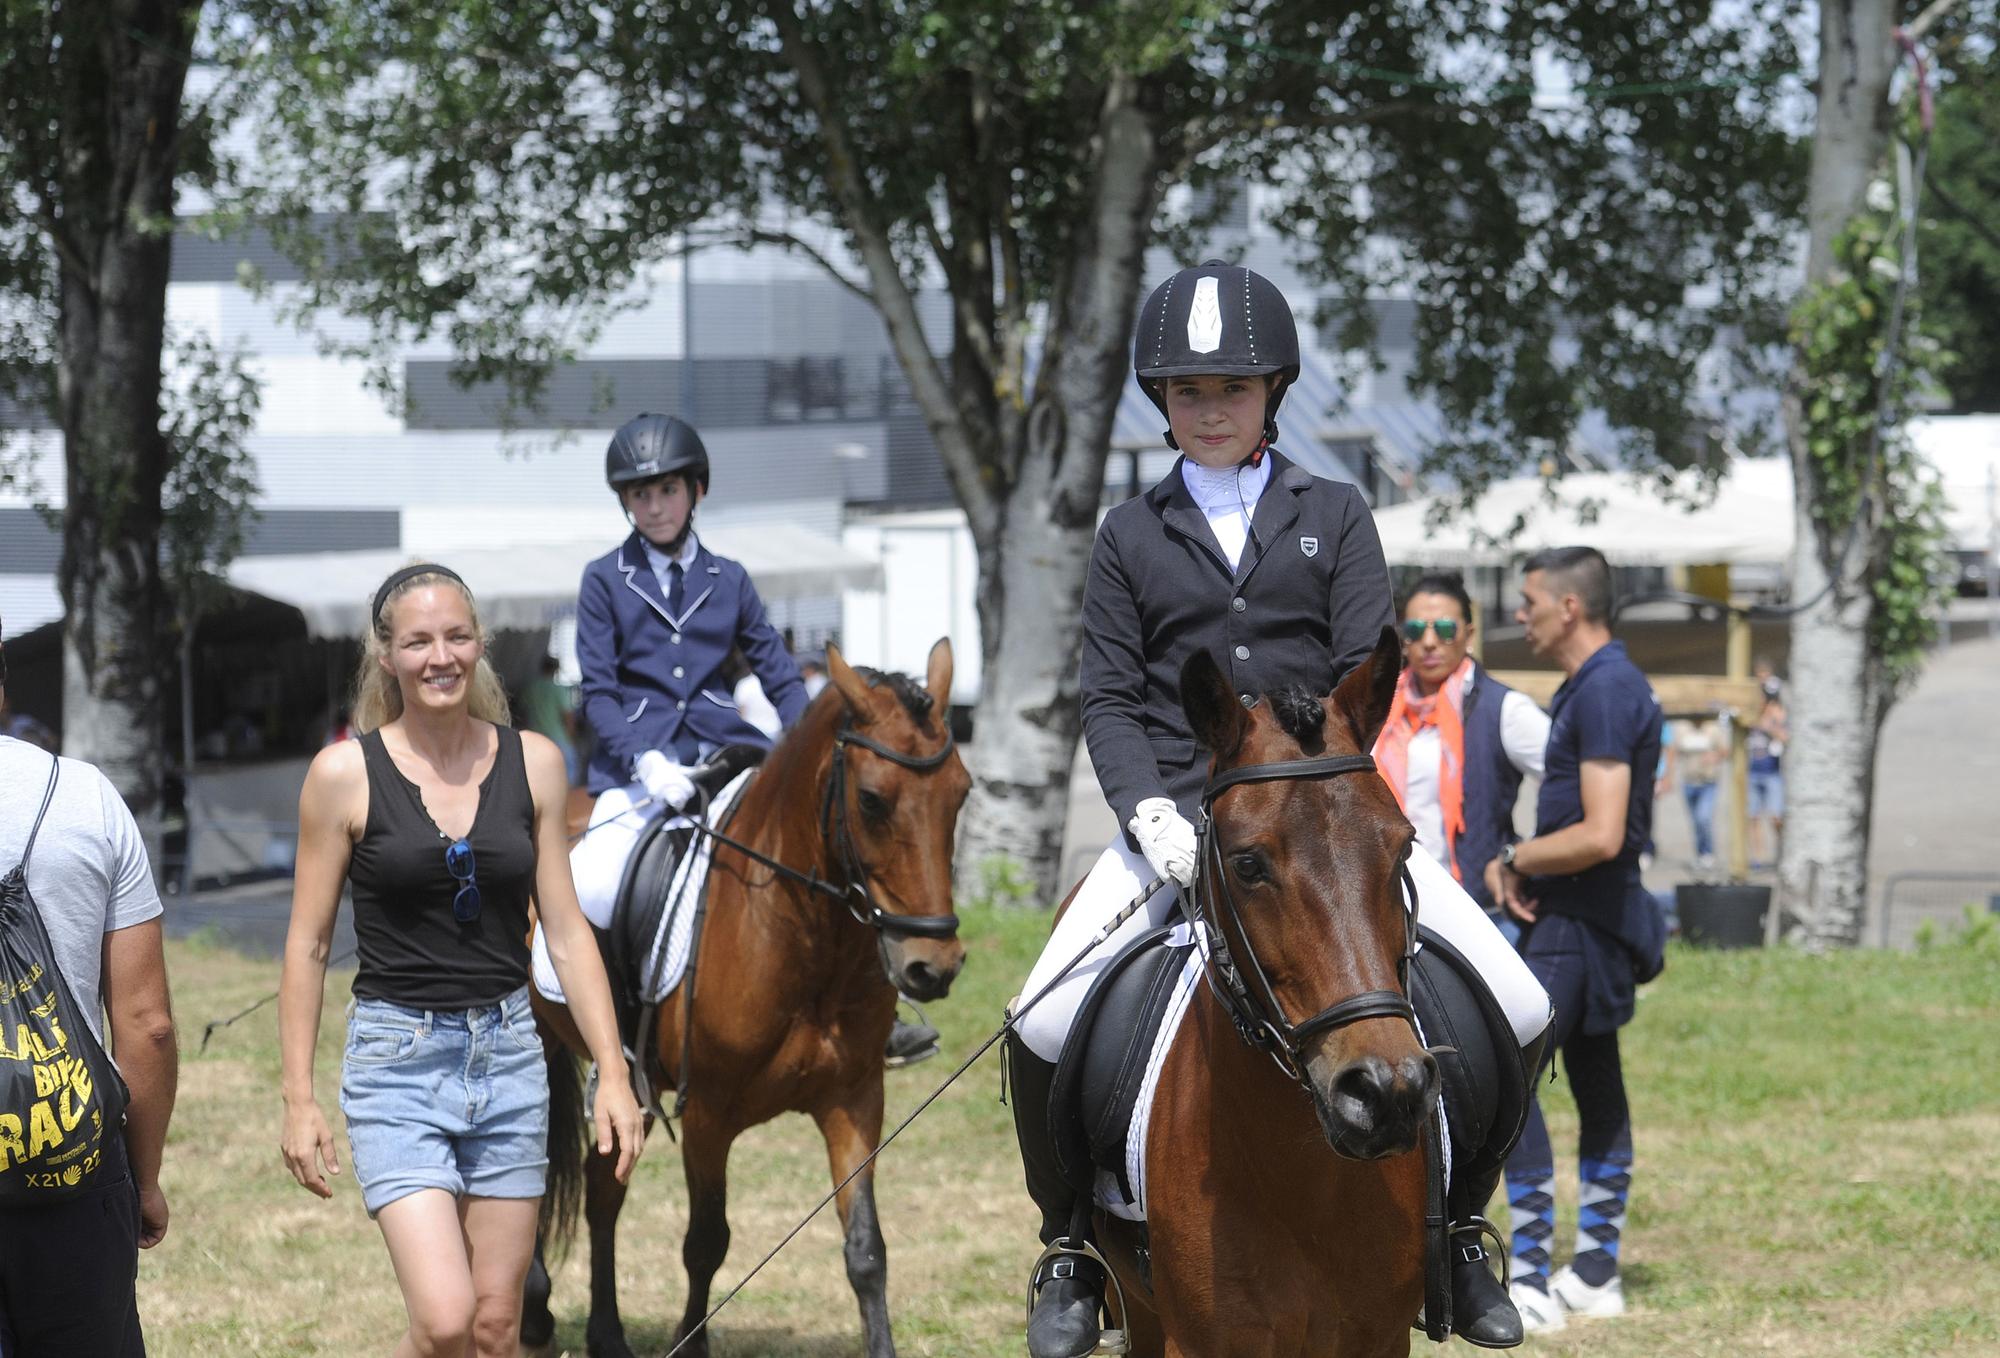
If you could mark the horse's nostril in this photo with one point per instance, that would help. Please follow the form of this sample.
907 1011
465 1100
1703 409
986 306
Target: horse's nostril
1361 1088
921 973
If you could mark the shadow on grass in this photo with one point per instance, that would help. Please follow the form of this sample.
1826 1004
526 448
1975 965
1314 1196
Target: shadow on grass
655 1339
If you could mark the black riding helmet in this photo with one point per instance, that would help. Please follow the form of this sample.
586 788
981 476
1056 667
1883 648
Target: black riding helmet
650 445
1222 320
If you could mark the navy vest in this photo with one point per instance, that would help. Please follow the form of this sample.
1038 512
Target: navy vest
1491 785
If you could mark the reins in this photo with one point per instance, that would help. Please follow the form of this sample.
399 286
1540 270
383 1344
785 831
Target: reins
855 895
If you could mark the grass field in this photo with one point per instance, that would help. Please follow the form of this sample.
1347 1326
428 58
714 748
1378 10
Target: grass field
1818 1173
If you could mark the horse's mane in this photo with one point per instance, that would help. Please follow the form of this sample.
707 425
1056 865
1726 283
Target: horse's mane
1301 714
916 699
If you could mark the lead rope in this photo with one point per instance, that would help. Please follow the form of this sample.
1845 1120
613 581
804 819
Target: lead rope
1102 936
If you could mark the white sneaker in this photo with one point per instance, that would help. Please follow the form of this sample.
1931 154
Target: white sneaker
1540 1312
1579 1298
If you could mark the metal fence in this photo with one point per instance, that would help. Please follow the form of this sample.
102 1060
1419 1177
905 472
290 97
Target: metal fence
1939 898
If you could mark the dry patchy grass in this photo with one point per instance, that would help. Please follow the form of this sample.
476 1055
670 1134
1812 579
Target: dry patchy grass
1817 1175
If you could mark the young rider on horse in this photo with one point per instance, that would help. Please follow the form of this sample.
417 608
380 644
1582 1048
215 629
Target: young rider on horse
657 619
1279 575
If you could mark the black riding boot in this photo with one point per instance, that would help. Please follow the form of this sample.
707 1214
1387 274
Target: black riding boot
1482 1312
1068 1289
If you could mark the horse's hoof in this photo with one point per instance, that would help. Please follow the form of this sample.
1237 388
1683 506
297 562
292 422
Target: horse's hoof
697 1347
611 1345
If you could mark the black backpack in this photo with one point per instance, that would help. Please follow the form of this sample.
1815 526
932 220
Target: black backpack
62 1102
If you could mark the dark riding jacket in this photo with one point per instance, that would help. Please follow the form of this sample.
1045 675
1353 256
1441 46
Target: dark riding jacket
1305 605
653 681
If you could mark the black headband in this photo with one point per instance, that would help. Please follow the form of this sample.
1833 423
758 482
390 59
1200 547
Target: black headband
411 573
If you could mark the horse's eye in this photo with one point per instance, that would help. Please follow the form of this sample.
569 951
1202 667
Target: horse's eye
1248 867
874 806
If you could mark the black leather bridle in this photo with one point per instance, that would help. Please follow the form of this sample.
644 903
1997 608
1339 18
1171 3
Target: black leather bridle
1258 1015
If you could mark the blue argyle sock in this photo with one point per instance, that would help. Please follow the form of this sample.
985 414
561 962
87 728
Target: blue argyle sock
1604 1186
1531 1206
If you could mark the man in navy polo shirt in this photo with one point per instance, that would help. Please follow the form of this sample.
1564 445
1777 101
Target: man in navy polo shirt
1591 931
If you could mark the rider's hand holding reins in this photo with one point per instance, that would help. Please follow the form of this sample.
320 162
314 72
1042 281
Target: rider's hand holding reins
1167 839
664 780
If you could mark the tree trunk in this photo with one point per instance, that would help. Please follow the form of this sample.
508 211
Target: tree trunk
1835 694
124 66
1032 567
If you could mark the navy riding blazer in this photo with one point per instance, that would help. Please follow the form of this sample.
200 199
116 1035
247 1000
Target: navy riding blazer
653 681
1306 604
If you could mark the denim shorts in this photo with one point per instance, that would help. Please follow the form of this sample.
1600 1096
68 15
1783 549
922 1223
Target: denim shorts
1767 793
456 1099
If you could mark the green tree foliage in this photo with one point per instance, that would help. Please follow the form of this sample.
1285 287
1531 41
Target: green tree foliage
502 175
1959 260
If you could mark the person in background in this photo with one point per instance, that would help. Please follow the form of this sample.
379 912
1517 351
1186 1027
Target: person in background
812 669
1695 752
68 1269
1767 775
1458 741
1591 931
548 709
750 699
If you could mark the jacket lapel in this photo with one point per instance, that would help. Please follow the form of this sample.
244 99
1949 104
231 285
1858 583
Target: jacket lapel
639 577
1182 515
699 583
1277 510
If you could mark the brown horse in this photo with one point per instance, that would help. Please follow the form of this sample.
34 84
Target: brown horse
1285 1187
795 983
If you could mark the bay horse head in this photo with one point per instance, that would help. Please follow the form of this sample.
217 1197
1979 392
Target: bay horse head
894 787
1300 882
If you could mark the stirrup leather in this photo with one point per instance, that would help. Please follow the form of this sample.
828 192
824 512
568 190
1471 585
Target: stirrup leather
1059 1259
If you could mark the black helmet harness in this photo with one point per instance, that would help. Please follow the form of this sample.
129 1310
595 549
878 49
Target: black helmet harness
1217 320
649 446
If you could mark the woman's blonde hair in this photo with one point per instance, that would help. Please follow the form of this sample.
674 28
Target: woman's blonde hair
378 699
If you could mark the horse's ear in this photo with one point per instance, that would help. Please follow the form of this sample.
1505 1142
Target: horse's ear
1364 696
851 685
938 681
1212 708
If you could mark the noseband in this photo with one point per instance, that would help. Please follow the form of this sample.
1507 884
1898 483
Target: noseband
1258 1015
839 835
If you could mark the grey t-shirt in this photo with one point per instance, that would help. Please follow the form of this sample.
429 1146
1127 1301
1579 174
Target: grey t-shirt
89 873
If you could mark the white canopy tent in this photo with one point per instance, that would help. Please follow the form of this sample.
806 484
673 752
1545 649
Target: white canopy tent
1749 521
531 581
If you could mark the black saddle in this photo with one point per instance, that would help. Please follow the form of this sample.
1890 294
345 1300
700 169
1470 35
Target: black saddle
1103 1062
1096 1088
1485 1087
627 943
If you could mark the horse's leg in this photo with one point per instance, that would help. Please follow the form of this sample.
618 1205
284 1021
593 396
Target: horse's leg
705 1159
853 1128
603 1199
538 1322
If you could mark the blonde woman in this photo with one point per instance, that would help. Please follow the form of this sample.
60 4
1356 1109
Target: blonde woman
444 821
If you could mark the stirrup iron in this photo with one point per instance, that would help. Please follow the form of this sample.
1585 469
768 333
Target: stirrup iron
1109 1341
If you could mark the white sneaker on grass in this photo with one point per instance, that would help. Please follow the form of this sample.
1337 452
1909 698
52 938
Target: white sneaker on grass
1579 1298
1540 1312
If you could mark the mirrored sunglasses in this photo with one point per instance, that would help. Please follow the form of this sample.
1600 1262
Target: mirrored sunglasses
459 862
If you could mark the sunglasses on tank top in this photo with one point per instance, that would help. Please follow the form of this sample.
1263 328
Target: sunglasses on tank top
459 862
1446 628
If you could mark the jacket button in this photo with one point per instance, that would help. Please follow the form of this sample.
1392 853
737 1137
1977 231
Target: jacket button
675 638
681 706
678 671
1248 700
1242 652
1238 604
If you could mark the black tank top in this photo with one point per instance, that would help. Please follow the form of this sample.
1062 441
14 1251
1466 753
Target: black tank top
412 951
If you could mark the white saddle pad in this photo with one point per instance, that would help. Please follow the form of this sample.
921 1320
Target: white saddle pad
667 958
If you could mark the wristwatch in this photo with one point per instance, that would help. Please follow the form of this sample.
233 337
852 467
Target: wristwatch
1507 855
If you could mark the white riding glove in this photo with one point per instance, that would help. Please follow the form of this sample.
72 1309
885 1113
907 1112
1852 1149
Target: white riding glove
1166 837
665 781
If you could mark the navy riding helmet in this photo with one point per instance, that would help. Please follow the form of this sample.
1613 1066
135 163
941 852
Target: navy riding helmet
1217 319
650 445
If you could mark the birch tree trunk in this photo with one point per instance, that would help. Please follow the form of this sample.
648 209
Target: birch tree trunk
123 70
1836 691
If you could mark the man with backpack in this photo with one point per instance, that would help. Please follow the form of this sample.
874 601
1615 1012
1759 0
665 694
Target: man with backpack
80 958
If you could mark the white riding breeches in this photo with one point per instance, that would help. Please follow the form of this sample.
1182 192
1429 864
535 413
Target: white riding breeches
597 863
1121 874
